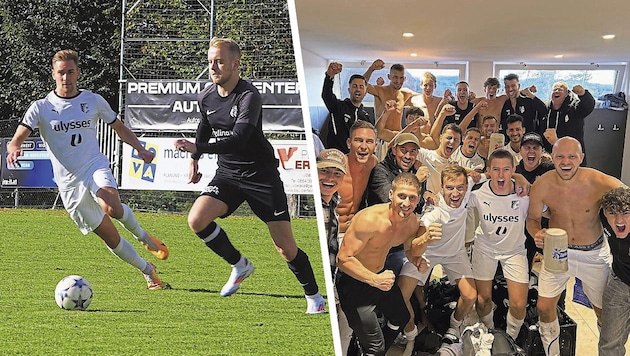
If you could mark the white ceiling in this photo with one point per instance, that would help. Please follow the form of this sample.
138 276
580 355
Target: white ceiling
530 31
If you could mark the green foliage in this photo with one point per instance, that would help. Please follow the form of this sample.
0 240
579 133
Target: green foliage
265 317
32 31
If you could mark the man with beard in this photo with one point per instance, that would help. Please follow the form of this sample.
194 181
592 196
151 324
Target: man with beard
615 216
362 281
572 196
524 103
531 167
514 130
567 111
393 91
343 113
489 126
360 162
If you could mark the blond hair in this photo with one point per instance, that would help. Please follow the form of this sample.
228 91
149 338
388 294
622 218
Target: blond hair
66 55
233 48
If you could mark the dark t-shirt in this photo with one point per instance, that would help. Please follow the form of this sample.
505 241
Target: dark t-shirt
542 168
620 249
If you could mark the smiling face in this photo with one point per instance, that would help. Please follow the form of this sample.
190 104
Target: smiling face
515 132
405 155
531 153
428 86
329 180
512 88
567 156
491 91
462 92
454 189
362 144
559 92
396 78
489 126
404 199
357 90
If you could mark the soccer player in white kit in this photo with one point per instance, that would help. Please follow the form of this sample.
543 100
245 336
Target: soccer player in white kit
500 237
67 120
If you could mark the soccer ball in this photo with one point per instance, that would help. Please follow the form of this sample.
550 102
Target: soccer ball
73 293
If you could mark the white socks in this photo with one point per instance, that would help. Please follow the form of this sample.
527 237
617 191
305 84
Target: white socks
455 324
513 325
549 334
127 253
411 341
488 320
129 222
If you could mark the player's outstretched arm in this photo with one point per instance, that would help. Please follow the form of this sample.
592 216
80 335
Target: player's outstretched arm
131 139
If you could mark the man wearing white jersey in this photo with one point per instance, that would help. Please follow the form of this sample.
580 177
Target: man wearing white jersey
449 251
67 120
500 238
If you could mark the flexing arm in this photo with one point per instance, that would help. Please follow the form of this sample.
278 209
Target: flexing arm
329 98
382 131
436 128
376 65
482 104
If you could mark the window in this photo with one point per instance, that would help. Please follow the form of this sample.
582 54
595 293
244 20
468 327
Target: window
598 80
447 77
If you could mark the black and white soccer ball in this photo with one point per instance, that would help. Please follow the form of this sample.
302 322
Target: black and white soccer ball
73 293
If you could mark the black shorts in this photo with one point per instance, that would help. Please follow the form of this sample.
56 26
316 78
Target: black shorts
263 190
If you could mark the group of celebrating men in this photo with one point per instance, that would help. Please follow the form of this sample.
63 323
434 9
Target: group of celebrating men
431 197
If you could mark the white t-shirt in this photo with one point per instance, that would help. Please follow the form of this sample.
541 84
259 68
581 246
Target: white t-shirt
501 221
476 162
68 127
515 154
453 222
435 163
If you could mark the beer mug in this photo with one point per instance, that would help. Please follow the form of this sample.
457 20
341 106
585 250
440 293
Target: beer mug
555 250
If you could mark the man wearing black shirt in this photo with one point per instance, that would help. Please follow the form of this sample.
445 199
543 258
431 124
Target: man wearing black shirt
231 110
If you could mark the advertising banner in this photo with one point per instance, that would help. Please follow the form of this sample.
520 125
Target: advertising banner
35 170
172 105
169 169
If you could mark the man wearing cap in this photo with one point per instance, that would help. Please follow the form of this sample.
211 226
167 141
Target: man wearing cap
531 167
331 168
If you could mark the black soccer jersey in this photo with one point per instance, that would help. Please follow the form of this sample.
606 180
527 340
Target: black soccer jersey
236 123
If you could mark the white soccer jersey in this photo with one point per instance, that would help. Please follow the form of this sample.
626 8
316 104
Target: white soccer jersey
501 227
476 162
435 163
515 154
453 222
68 127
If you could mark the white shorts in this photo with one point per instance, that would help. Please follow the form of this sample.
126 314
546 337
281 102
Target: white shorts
592 267
80 201
455 267
484 266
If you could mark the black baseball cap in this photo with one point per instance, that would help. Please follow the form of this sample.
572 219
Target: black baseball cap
532 136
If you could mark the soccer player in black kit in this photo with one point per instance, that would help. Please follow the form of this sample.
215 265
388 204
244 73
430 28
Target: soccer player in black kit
231 110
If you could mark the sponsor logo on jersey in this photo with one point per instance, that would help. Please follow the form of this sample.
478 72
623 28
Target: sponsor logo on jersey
501 218
218 133
211 189
72 125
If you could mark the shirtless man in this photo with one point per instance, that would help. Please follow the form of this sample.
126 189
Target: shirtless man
362 282
495 103
427 101
392 91
572 195
360 161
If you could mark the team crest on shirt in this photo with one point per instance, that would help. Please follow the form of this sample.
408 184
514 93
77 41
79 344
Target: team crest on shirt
85 108
234 111
521 109
515 204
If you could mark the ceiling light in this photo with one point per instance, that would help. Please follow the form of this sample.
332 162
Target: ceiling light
558 56
608 37
407 34
414 54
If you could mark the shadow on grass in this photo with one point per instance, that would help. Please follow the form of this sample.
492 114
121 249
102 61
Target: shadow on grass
114 311
203 290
